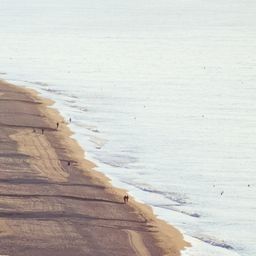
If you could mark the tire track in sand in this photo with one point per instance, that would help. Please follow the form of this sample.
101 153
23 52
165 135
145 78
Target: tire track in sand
137 244
43 157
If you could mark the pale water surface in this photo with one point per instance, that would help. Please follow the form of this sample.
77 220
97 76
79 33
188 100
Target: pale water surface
162 95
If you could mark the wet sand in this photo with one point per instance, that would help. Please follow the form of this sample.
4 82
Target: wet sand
53 202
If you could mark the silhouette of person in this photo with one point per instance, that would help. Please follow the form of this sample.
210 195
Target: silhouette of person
42 130
126 199
57 124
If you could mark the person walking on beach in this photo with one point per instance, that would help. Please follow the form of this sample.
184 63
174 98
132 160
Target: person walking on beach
42 130
57 124
126 199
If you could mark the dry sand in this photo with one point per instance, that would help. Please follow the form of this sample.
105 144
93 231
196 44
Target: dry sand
48 207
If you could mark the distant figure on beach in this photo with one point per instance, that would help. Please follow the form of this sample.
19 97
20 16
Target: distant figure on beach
70 120
68 163
34 130
57 124
126 199
42 130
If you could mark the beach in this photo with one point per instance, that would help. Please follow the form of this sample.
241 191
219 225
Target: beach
53 201
161 97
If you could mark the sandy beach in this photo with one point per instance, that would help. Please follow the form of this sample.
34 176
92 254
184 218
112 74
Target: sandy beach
53 202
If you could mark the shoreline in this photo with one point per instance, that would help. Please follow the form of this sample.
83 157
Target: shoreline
156 238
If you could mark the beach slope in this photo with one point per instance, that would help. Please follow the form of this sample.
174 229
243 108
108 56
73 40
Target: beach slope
53 202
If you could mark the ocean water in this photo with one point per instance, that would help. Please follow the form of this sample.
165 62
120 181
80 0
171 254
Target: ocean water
162 96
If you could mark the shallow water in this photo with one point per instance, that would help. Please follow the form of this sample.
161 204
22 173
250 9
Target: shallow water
161 95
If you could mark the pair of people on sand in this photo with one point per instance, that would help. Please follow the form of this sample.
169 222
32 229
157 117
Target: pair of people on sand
126 199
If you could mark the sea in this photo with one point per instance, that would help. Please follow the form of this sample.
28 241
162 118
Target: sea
162 97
